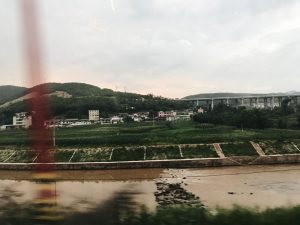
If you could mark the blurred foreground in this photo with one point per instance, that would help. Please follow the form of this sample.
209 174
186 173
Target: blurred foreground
121 210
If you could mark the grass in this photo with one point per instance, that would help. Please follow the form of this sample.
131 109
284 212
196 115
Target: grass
297 143
93 155
128 154
198 151
21 157
238 149
5 154
63 155
163 152
278 147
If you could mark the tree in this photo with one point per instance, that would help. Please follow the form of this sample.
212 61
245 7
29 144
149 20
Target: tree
282 123
285 107
298 120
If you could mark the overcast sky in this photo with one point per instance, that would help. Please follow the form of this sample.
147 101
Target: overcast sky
171 48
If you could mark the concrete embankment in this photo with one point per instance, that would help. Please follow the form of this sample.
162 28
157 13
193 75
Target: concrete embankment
178 163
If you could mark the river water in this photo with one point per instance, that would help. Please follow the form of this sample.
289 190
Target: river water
251 186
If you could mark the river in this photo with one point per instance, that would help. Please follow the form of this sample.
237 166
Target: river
250 186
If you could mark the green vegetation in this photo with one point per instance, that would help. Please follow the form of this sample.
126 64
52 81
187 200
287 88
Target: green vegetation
198 151
63 155
4 155
284 117
94 155
238 149
163 152
278 147
146 134
236 216
21 157
128 154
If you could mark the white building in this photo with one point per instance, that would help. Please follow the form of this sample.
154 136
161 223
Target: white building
94 115
22 120
116 120
3 127
200 110
162 114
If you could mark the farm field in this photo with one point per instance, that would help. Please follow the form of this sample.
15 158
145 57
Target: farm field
145 141
142 134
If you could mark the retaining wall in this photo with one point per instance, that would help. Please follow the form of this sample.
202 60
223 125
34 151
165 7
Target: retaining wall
178 163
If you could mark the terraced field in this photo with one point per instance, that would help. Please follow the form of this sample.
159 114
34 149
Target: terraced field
158 152
163 152
63 155
21 157
198 151
128 154
238 149
94 155
5 155
279 147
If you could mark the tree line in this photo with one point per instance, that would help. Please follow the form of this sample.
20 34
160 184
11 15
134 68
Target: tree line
282 117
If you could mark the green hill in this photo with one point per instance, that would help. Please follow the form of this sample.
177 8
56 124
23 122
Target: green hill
86 97
9 92
74 89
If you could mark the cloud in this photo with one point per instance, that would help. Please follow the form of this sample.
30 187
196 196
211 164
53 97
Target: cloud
112 5
187 46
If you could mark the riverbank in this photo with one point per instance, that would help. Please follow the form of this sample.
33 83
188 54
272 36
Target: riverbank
159 156
179 163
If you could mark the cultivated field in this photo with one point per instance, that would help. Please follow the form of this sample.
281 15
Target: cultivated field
147 134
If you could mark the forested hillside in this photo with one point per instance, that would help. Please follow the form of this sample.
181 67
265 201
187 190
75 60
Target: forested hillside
85 97
9 92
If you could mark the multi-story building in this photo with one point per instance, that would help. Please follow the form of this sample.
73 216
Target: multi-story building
22 120
94 116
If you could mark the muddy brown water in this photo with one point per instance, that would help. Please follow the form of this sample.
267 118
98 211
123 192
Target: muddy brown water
250 186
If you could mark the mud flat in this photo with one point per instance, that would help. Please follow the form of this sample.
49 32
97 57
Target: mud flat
249 186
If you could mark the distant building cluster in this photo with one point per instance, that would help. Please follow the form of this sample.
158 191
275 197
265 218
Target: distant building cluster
23 120
175 115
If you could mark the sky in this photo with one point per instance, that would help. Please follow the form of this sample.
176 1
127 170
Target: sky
171 48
